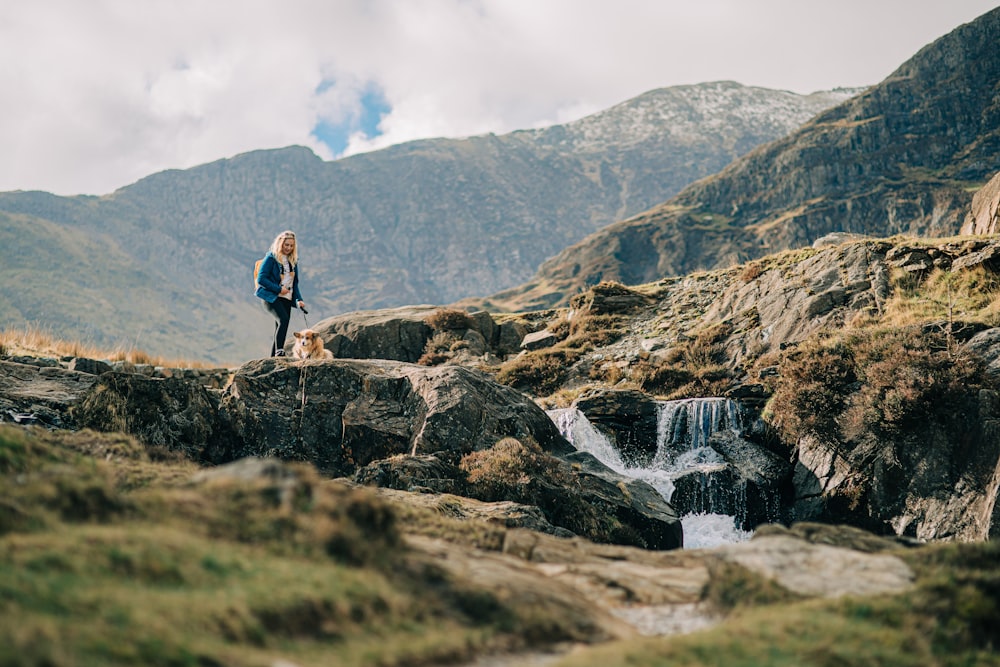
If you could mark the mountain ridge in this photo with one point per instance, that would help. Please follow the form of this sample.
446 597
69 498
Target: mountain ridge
429 221
903 156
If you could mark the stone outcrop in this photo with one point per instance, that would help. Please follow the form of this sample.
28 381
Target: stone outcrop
382 420
402 334
40 393
347 413
933 488
626 417
984 216
174 413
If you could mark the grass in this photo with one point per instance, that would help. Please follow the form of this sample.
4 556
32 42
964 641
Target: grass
970 295
33 340
110 555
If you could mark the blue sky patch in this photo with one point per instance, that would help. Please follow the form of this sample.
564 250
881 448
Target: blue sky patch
372 107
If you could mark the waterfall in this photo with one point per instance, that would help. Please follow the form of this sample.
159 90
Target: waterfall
684 429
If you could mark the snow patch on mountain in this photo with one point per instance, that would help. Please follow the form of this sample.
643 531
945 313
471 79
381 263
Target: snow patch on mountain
689 115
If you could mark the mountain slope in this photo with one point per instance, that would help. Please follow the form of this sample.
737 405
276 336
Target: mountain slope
905 156
427 221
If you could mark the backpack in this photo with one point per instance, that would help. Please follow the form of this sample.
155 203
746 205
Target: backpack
256 271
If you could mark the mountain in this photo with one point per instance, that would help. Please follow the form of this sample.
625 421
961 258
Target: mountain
164 264
903 157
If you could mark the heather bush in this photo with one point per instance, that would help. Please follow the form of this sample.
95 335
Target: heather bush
540 372
815 381
449 319
504 471
875 386
439 348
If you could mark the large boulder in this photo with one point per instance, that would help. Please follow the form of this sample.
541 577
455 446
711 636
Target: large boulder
628 418
984 216
937 487
344 414
402 334
398 333
640 508
175 413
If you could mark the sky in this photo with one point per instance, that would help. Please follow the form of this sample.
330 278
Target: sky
96 94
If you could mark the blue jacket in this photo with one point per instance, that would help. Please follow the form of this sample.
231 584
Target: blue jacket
269 281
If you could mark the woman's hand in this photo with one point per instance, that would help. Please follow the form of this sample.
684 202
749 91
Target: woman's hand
302 306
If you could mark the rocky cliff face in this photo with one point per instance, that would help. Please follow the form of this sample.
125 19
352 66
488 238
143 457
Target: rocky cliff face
902 157
894 393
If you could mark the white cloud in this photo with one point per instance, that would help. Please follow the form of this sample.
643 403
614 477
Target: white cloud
99 94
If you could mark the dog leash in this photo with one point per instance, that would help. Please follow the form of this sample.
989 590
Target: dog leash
304 313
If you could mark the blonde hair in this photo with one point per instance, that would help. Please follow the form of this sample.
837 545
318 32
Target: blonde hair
293 259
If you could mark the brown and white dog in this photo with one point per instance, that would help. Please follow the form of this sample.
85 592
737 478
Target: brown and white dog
308 345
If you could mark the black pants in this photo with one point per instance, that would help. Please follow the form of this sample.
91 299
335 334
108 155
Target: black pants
281 311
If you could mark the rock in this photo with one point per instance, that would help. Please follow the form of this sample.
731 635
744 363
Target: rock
608 298
784 307
409 473
408 426
836 238
510 337
761 480
986 345
167 412
400 334
635 503
626 417
45 394
523 586
344 414
910 259
819 570
92 366
282 481
984 215
935 487
538 340
504 514
987 257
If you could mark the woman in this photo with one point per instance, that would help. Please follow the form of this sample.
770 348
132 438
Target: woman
278 286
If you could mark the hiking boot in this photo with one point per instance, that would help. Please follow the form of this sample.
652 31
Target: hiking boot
279 353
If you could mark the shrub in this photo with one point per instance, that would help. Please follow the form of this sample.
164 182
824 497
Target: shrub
504 471
540 372
439 349
449 319
751 271
523 473
595 330
875 385
815 381
560 327
908 379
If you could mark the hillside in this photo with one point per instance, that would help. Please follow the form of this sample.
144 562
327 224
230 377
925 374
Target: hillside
163 263
903 157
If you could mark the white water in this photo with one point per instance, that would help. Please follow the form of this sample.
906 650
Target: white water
683 431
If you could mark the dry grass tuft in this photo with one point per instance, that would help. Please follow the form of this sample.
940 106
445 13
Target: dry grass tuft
34 341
